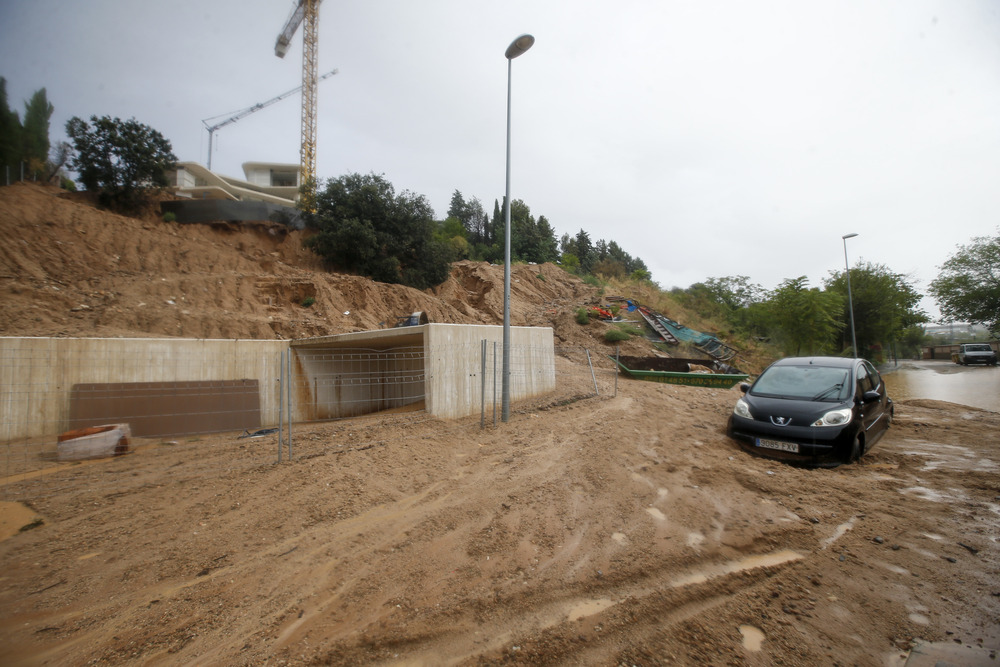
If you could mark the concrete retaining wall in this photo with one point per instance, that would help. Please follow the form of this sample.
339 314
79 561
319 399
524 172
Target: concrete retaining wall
37 374
439 365
454 366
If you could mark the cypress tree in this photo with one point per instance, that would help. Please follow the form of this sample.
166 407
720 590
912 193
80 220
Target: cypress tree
10 133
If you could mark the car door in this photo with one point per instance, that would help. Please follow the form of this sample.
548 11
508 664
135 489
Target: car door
866 409
874 415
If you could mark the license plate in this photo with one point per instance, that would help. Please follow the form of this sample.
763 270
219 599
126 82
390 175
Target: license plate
775 444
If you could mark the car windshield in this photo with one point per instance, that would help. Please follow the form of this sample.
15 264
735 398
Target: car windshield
978 348
811 383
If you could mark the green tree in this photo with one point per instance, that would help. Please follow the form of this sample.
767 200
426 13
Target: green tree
640 275
60 156
735 292
885 305
531 240
26 143
567 244
477 223
457 207
585 251
600 250
452 234
738 299
123 161
10 132
546 247
364 227
968 287
609 268
570 262
35 134
804 320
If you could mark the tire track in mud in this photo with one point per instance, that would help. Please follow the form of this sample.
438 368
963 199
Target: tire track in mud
573 626
556 625
642 615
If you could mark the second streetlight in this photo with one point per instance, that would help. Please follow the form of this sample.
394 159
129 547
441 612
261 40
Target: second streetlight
850 300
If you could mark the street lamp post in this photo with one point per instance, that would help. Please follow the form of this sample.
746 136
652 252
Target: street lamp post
850 300
516 48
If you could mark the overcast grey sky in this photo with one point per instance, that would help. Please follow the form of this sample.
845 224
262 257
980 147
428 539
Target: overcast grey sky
708 138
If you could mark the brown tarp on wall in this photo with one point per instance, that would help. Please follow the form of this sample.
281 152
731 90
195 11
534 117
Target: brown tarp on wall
160 409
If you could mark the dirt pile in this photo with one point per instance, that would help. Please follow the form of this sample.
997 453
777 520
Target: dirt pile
69 269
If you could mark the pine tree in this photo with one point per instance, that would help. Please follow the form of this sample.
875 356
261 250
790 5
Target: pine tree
35 134
10 132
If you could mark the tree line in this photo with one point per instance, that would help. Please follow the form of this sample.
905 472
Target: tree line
363 226
475 235
803 320
121 161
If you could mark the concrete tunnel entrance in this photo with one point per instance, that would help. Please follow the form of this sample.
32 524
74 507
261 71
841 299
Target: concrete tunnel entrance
436 367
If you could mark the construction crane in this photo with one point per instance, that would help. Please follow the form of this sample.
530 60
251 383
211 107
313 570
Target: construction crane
246 112
307 12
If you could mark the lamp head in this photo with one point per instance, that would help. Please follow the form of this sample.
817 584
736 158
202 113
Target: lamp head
519 46
849 236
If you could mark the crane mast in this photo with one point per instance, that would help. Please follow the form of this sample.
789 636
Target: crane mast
307 13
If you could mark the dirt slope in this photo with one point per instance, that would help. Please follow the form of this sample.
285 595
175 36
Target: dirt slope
602 530
68 269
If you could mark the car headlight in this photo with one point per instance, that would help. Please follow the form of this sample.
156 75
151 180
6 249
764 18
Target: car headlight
742 409
834 418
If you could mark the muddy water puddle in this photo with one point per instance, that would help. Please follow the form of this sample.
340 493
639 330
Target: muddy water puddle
589 608
752 637
976 386
583 608
15 518
749 563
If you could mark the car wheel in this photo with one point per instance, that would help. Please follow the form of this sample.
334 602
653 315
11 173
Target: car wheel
855 454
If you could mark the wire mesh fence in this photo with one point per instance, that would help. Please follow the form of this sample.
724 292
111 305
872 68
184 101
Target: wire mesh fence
101 413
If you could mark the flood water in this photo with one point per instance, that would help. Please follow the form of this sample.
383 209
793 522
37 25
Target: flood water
977 386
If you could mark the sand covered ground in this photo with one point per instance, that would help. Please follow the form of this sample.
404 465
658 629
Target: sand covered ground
603 530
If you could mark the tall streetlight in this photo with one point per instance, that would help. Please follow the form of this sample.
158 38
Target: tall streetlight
850 300
516 48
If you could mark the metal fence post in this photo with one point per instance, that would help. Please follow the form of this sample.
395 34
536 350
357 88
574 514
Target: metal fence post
594 377
494 383
482 387
616 370
281 402
288 399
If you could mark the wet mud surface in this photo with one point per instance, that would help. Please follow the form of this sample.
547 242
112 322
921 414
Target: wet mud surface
625 530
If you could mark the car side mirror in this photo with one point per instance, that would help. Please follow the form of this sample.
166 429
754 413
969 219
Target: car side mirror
744 387
870 396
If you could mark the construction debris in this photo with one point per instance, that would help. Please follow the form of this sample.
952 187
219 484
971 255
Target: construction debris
94 442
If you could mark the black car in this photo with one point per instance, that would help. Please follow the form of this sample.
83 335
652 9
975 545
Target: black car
813 410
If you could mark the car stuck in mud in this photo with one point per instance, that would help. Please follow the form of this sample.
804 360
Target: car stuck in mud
813 410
